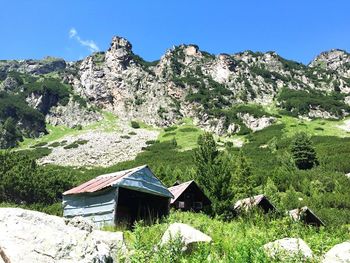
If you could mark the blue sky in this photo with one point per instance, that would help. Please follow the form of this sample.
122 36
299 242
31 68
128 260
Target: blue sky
72 29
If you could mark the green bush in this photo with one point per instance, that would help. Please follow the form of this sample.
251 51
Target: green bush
55 144
152 142
71 146
40 144
188 129
82 142
298 102
22 181
135 125
171 128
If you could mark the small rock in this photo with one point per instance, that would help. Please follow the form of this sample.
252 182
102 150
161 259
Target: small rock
338 254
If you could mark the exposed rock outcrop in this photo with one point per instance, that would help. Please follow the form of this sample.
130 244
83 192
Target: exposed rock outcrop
29 236
254 123
72 115
31 66
9 84
319 113
335 59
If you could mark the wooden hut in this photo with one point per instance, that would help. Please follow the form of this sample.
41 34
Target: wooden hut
123 196
260 201
188 197
306 215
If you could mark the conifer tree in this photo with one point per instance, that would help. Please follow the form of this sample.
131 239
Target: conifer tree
243 182
303 152
214 173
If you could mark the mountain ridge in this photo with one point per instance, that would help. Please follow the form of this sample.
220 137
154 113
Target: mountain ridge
185 82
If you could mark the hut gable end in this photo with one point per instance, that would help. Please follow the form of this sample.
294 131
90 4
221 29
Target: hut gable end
188 196
255 201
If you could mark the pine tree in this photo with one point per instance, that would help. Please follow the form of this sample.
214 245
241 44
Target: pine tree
243 182
303 152
205 159
214 174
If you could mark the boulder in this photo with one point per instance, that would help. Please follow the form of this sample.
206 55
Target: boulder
288 247
188 234
30 236
338 254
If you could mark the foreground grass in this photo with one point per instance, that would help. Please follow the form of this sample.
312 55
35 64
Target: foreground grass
240 240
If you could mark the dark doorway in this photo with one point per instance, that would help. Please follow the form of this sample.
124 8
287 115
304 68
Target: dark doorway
266 206
134 205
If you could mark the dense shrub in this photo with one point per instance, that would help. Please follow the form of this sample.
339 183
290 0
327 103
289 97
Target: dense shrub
171 128
22 181
135 125
298 102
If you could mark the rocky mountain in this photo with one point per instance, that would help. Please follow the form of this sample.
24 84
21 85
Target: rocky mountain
185 82
190 82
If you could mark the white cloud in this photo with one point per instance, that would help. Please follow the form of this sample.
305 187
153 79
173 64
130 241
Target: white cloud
90 44
72 32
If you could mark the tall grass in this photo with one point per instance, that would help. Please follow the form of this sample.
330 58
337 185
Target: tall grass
240 240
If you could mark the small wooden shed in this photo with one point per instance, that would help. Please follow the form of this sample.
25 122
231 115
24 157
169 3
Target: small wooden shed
120 197
260 201
188 197
306 215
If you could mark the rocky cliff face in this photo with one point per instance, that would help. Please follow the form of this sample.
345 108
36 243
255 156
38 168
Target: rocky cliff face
334 60
190 82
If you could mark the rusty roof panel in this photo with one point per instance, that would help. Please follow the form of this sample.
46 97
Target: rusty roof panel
102 181
177 190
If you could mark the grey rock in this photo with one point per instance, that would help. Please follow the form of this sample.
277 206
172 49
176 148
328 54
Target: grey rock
29 236
188 235
9 84
72 115
288 248
338 254
256 124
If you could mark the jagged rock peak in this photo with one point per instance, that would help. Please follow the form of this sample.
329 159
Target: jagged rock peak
120 43
335 60
333 56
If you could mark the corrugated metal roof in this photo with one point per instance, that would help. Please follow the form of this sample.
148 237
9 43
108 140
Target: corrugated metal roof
249 201
102 181
177 190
